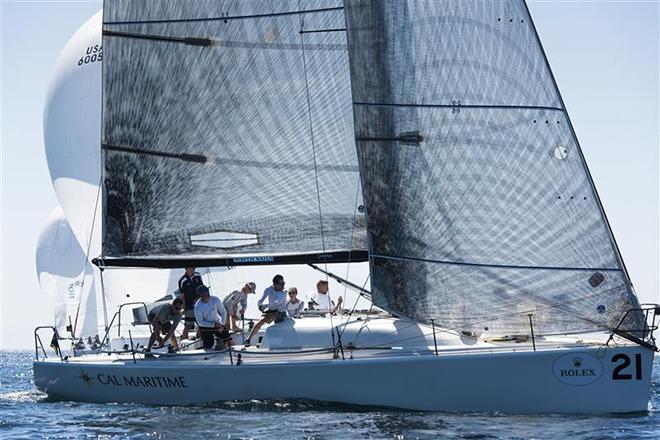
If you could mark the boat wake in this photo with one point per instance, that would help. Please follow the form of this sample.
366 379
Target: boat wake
23 396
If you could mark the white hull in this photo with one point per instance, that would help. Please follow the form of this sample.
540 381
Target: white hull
470 380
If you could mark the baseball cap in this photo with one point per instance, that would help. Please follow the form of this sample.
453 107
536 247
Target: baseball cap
202 289
252 286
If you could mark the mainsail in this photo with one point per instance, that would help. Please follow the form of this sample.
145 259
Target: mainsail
227 134
480 207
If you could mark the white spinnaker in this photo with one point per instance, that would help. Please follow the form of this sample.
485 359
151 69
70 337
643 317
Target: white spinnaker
66 276
72 124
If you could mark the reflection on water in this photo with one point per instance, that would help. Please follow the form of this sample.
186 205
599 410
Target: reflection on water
27 413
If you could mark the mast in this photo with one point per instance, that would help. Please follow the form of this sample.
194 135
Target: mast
103 299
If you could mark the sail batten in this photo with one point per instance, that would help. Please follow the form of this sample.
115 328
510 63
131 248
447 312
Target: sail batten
494 215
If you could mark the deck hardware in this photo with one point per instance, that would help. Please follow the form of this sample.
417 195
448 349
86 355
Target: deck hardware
38 343
651 314
130 337
435 342
531 327
341 346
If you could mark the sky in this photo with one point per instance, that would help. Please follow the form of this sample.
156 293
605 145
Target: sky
604 56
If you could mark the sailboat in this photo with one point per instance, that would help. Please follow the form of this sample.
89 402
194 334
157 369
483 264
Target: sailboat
426 138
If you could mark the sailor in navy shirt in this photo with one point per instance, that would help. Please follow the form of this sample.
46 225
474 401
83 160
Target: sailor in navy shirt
188 285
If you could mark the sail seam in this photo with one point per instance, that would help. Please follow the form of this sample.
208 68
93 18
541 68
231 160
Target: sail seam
462 106
500 266
226 17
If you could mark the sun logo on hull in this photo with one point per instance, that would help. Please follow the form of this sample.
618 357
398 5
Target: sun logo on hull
86 378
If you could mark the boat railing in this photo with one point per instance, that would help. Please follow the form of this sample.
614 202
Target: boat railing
643 336
117 316
38 344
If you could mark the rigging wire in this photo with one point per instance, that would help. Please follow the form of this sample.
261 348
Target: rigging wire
355 305
316 173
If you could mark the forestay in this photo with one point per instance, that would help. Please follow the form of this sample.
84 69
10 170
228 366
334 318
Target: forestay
228 134
480 206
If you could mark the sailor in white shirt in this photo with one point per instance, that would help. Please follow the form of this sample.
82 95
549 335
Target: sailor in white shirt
321 300
234 300
211 318
294 306
276 298
276 307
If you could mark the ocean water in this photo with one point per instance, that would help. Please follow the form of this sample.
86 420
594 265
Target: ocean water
27 413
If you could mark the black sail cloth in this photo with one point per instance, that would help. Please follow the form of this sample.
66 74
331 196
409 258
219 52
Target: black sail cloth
488 213
228 134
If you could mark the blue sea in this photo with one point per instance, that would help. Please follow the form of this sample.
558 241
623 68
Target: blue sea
27 413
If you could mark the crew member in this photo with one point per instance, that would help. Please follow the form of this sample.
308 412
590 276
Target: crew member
321 300
211 318
164 319
276 308
294 306
234 300
188 285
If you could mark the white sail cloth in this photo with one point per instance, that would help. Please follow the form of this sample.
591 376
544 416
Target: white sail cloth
67 277
72 129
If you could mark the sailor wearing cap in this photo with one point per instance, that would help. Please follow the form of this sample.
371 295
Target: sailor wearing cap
211 319
236 298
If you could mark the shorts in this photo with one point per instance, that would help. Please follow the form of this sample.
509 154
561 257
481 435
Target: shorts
190 319
275 315
165 327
